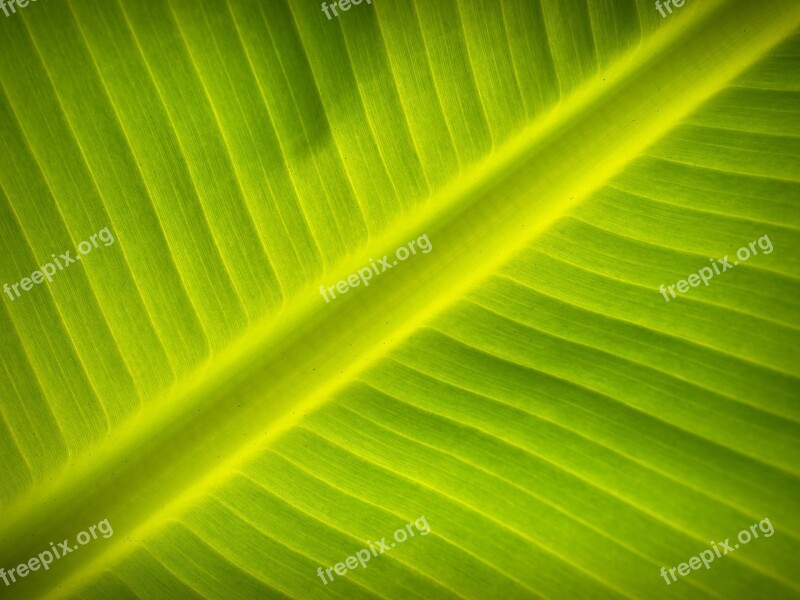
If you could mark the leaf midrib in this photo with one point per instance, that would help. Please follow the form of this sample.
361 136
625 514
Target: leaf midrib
168 457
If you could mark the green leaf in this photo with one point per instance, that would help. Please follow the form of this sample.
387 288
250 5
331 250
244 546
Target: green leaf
523 389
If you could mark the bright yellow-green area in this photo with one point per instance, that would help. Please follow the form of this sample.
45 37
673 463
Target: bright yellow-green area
564 430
